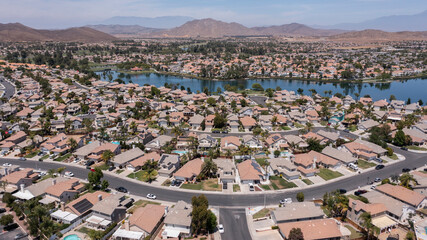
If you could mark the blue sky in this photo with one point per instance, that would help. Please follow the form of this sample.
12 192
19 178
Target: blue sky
66 13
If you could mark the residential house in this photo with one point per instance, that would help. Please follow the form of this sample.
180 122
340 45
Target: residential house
158 142
231 143
367 125
168 164
342 156
296 212
195 121
252 141
248 123
144 220
206 141
226 170
276 142
178 221
138 163
284 167
250 172
356 208
189 171
124 158
63 191
409 197
106 211
96 154
24 177
317 229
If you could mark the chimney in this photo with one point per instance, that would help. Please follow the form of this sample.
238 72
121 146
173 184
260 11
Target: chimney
53 181
127 225
6 171
226 144
63 206
100 197
314 162
166 210
22 186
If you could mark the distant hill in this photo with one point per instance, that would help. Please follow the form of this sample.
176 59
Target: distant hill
119 30
378 35
295 29
208 28
16 32
393 23
165 22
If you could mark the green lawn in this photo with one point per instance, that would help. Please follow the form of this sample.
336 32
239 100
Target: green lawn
236 188
297 125
120 171
63 157
365 164
413 147
394 156
211 185
307 181
33 154
328 174
266 187
261 213
285 128
354 233
192 186
104 167
44 157
280 183
262 161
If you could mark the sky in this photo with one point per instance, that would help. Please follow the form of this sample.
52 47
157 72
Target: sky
69 13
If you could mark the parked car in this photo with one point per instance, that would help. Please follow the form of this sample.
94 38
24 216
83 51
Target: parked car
378 167
286 201
377 179
2 210
342 191
353 166
175 183
404 170
346 130
89 163
360 192
220 228
224 131
379 160
7 165
151 196
111 168
404 148
251 187
69 174
373 187
20 235
22 159
121 189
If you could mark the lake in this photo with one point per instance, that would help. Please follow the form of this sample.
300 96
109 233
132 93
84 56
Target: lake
414 88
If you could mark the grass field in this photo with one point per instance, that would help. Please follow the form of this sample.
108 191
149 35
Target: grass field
328 174
265 187
236 188
206 185
354 234
141 203
416 148
63 157
280 183
261 213
394 156
31 155
192 186
365 164
307 181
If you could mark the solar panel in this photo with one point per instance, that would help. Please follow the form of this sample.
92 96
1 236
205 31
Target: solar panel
83 206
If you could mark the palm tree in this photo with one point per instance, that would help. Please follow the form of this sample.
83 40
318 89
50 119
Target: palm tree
209 169
107 156
367 223
60 170
73 143
177 131
51 172
406 179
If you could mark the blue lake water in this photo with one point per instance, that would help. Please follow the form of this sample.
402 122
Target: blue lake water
414 88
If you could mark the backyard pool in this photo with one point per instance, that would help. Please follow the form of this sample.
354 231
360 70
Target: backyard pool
180 152
72 237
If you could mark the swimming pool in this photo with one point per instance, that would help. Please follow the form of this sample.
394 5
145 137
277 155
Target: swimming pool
180 152
72 237
115 142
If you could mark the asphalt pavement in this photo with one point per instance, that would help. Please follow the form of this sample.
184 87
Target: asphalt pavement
9 88
235 224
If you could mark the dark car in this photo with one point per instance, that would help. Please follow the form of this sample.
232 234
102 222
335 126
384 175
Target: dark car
406 170
111 168
89 163
404 148
360 192
224 131
2 210
121 189
346 130
20 235
342 191
175 183
378 167
216 131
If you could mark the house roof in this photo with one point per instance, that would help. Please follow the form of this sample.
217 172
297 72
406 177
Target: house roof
129 155
342 156
403 194
297 210
190 169
372 208
147 218
314 229
306 159
61 187
180 214
85 202
249 170
143 159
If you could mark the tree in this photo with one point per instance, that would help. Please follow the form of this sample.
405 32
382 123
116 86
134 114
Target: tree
211 101
107 156
257 87
300 197
60 170
73 143
276 153
243 103
219 121
367 223
295 234
6 219
177 131
209 169
202 219
300 91
406 179
314 144
104 184
400 139
95 177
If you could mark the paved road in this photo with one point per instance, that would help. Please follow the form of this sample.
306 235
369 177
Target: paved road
9 88
235 224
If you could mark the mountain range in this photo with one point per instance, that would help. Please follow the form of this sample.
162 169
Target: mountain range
395 23
164 22
21 33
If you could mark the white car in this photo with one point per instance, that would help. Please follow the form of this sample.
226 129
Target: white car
373 187
220 228
151 196
251 187
7 165
69 174
286 201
